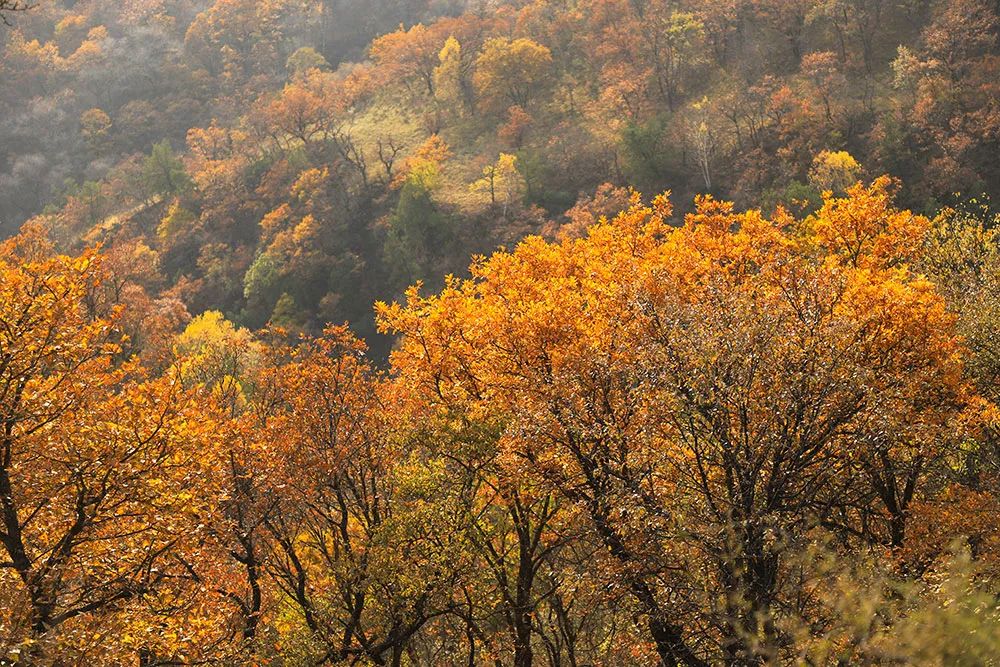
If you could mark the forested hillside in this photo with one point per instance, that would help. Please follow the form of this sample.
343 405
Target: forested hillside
269 162
509 333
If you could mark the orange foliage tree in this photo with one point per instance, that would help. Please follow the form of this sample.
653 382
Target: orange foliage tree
708 396
98 473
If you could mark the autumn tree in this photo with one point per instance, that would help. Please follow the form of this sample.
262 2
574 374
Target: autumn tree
834 171
706 395
855 23
305 59
360 548
789 17
94 126
704 140
230 365
304 112
513 528
822 70
511 72
959 35
501 183
232 38
95 465
674 51
960 254
448 76
410 54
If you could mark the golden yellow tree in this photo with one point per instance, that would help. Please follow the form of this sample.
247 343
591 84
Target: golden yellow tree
511 72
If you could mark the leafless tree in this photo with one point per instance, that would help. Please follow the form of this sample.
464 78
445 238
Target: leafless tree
9 6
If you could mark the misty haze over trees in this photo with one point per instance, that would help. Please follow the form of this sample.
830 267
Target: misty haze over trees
504 333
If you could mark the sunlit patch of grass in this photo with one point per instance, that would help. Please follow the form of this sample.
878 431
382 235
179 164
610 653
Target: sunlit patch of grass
387 120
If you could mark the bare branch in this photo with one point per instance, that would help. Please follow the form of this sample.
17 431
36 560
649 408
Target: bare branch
7 7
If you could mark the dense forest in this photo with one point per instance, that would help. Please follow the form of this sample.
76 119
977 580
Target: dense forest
501 333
